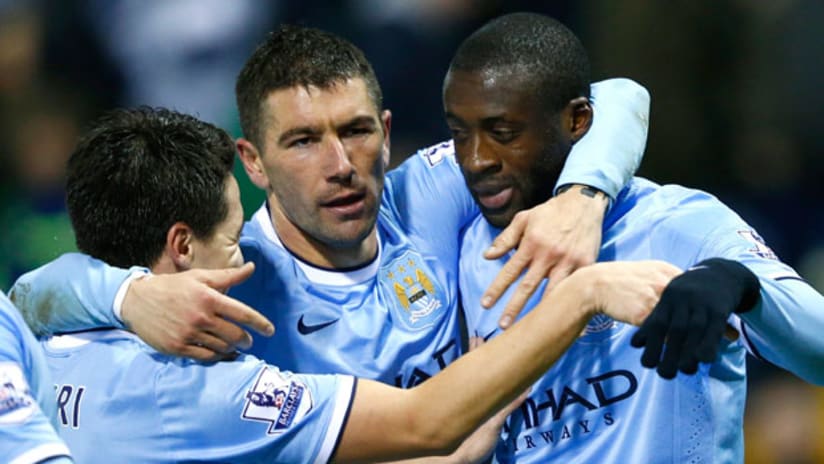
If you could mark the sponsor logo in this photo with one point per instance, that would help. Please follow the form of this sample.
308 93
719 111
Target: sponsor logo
16 402
606 389
277 399
442 357
562 414
420 299
306 329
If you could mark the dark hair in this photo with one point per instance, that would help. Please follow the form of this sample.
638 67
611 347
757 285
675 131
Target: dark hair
136 173
534 46
292 56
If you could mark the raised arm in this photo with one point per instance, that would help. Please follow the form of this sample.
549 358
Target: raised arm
563 234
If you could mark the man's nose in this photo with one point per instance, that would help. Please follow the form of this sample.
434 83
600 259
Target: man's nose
339 161
480 158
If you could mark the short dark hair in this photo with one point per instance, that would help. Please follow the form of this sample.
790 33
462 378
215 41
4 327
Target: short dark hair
139 171
535 46
292 56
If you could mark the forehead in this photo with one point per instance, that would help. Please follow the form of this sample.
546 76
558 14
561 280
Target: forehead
488 93
300 105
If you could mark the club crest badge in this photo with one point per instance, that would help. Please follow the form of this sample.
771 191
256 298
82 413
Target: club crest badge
418 298
16 402
277 399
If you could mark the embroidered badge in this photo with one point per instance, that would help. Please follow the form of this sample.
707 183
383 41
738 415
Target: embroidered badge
16 402
277 399
419 299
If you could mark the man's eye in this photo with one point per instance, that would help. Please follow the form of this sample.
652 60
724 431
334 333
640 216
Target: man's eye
503 135
356 131
301 142
457 134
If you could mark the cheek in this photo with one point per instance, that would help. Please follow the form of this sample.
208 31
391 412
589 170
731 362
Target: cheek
235 256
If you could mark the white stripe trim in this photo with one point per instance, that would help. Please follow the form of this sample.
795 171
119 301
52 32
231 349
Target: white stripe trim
68 341
41 453
343 401
736 324
314 274
117 307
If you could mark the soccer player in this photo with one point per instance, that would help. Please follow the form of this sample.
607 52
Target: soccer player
155 188
27 412
343 253
527 77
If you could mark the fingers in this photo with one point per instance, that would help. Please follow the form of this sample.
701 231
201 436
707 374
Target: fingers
696 335
240 313
508 238
668 367
506 276
707 349
212 343
203 354
651 335
223 279
230 334
523 292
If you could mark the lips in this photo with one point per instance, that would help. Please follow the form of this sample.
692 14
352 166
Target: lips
349 204
496 200
493 197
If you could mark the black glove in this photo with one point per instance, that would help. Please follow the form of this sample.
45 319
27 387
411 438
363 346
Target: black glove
692 315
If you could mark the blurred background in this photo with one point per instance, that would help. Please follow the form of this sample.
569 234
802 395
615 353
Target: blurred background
737 109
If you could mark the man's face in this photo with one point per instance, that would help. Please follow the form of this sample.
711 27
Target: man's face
222 249
510 152
325 154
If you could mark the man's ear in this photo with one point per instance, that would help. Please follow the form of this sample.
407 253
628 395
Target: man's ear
580 117
386 120
252 163
179 246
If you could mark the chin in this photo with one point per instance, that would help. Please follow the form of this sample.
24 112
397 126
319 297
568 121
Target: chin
499 219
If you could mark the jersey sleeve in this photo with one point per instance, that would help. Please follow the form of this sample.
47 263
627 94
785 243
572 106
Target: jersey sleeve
74 292
26 433
785 327
609 154
248 411
427 195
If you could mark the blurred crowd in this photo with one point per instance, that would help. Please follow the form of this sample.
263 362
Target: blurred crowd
737 110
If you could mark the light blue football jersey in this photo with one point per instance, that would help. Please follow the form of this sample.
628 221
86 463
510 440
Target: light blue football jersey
27 413
597 403
119 400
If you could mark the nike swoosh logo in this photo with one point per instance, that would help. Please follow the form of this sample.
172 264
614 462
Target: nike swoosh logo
307 329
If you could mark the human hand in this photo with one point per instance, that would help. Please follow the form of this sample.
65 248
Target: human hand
553 239
691 317
188 314
624 290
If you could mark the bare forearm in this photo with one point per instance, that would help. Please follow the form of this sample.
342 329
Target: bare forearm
436 416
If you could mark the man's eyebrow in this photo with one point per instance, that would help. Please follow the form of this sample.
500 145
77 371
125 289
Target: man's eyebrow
360 120
304 130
